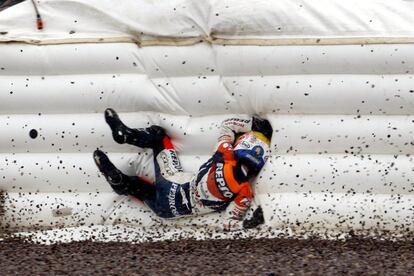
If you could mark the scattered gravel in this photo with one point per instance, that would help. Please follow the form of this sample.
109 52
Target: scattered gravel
189 257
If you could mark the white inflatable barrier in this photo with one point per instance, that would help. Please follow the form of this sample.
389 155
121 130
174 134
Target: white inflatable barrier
337 87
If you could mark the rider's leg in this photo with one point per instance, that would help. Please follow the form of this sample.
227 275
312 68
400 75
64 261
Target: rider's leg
171 183
172 197
149 137
121 183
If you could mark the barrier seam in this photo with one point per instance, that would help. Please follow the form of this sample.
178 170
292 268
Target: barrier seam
161 41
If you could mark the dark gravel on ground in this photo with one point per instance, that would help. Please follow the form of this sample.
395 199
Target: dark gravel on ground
242 257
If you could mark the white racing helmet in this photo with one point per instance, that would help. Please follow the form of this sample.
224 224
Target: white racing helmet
252 149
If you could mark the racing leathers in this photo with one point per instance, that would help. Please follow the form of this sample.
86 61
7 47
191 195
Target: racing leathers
221 184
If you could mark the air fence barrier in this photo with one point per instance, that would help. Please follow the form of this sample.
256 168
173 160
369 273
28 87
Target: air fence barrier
342 110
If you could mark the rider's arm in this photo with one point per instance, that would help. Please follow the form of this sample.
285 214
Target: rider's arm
231 126
237 209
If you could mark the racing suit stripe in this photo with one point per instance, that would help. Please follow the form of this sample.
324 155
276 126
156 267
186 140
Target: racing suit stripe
167 143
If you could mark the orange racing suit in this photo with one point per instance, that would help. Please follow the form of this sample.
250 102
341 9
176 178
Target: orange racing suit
221 183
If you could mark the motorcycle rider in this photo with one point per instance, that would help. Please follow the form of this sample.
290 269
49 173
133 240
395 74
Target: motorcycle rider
221 184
